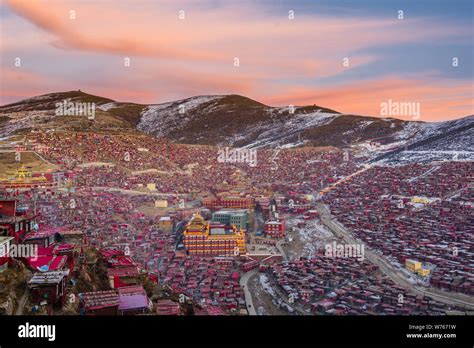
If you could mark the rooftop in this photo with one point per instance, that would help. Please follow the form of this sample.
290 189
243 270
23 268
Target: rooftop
99 299
133 301
48 277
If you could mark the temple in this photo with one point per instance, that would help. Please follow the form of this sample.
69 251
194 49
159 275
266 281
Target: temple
23 178
210 238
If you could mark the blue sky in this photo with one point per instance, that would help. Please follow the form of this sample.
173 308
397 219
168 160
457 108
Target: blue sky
282 61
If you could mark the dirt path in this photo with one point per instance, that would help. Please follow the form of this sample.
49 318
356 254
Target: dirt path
22 303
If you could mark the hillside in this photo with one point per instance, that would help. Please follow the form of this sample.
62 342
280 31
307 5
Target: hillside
40 113
238 121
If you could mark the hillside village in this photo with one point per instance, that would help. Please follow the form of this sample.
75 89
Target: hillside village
126 223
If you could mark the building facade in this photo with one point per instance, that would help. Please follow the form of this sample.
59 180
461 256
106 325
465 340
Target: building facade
275 228
14 223
213 239
229 202
231 217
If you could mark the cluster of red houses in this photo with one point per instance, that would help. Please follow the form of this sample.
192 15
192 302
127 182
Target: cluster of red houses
50 253
126 300
316 168
136 241
421 212
122 270
210 281
341 286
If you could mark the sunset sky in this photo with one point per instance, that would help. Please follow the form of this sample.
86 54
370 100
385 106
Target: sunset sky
283 61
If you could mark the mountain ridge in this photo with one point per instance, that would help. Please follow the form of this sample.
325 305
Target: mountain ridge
228 120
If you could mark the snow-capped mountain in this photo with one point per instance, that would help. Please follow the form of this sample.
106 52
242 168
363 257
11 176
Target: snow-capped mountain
231 121
237 121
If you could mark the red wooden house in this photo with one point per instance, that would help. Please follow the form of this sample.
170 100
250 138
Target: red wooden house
49 287
13 222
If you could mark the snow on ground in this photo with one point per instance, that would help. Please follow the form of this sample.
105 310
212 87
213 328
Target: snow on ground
160 118
275 133
107 106
423 157
367 147
276 300
361 126
454 145
265 283
313 237
22 120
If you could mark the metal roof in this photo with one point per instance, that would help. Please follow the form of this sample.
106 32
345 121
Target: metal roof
48 277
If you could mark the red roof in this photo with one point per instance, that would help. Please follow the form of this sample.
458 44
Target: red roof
133 289
109 252
99 299
167 307
52 262
54 249
120 261
123 271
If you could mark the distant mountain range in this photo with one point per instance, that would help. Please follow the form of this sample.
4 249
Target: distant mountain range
237 121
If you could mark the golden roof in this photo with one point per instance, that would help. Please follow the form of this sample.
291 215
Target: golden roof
197 223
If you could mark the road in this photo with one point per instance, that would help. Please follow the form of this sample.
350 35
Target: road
248 296
388 269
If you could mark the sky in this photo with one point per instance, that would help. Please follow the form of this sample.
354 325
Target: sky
347 55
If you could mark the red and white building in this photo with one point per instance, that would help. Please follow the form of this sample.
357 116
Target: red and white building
275 228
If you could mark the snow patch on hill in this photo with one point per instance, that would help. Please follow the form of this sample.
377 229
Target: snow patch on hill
278 134
107 106
161 119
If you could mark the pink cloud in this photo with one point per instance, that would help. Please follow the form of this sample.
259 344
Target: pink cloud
363 98
172 58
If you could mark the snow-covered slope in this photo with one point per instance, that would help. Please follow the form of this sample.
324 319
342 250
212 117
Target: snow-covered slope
231 120
237 121
436 141
161 119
